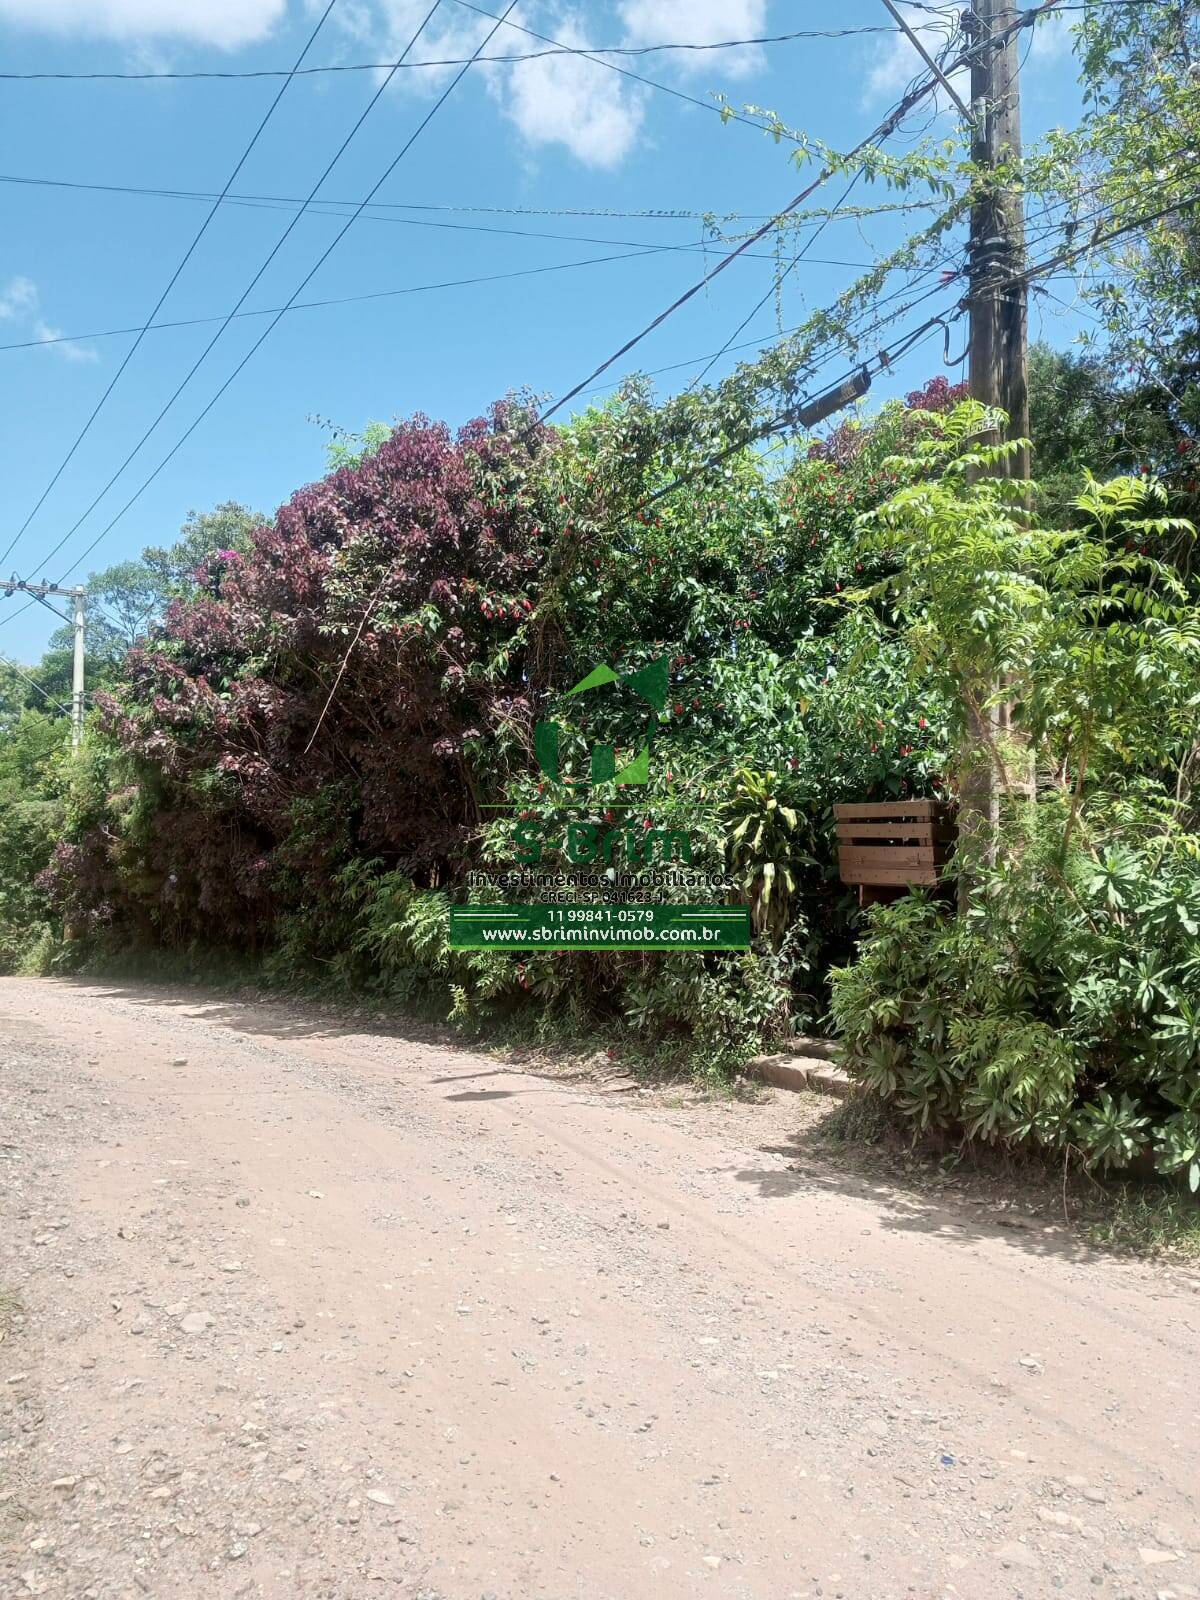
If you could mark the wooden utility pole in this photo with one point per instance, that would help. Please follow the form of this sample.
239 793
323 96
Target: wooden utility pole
996 249
999 336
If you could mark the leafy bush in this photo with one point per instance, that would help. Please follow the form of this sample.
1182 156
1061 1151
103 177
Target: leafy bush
1059 1007
334 720
32 780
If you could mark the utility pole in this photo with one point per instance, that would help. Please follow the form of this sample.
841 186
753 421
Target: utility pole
999 315
77 595
79 628
999 335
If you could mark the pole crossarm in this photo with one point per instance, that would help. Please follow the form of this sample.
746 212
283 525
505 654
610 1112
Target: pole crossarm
77 595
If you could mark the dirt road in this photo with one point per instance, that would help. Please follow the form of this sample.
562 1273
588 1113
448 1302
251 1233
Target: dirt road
309 1309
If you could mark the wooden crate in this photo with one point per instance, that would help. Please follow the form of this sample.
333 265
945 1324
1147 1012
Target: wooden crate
888 847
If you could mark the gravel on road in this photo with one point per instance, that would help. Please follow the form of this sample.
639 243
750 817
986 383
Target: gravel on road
295 1304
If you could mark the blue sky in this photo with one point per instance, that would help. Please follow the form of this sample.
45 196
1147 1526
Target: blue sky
513 141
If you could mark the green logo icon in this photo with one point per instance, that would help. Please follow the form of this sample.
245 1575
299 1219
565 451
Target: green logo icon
650 683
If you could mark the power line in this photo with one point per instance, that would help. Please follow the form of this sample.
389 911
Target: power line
187 255
885 128
328 251
632 254
33 683
354 299
42 601
274 251
784 419
449 61
322 209
853 337
654 214
893 118
773 287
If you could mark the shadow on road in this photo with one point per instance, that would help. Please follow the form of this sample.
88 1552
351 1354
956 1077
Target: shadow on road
1007 1206
989 1200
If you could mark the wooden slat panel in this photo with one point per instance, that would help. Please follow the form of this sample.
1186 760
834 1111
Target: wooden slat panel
882 876
892 855
890 808
901 832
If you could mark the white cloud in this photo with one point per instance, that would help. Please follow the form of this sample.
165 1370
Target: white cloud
18 296
224 23
19 300
560 100
66 348
570 101
551 100
1053 39
385 29
894 66
698 22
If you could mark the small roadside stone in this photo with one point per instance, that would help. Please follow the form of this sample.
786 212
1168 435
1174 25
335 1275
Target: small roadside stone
1016 1555
1058 1519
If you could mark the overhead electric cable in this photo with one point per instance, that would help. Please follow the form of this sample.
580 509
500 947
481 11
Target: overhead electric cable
452 61
32 682
773 288
272 253
885 128
322 209
632 254
649 214
326 253
353 299
171 282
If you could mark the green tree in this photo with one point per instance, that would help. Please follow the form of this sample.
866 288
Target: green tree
33 751
127 599
226 527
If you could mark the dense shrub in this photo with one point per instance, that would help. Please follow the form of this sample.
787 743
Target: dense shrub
32 781
1059 1006
301 759
1061 1009
324 694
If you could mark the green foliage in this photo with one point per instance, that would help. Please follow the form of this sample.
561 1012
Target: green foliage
33 753
171 568
1058 1006
1058 1010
